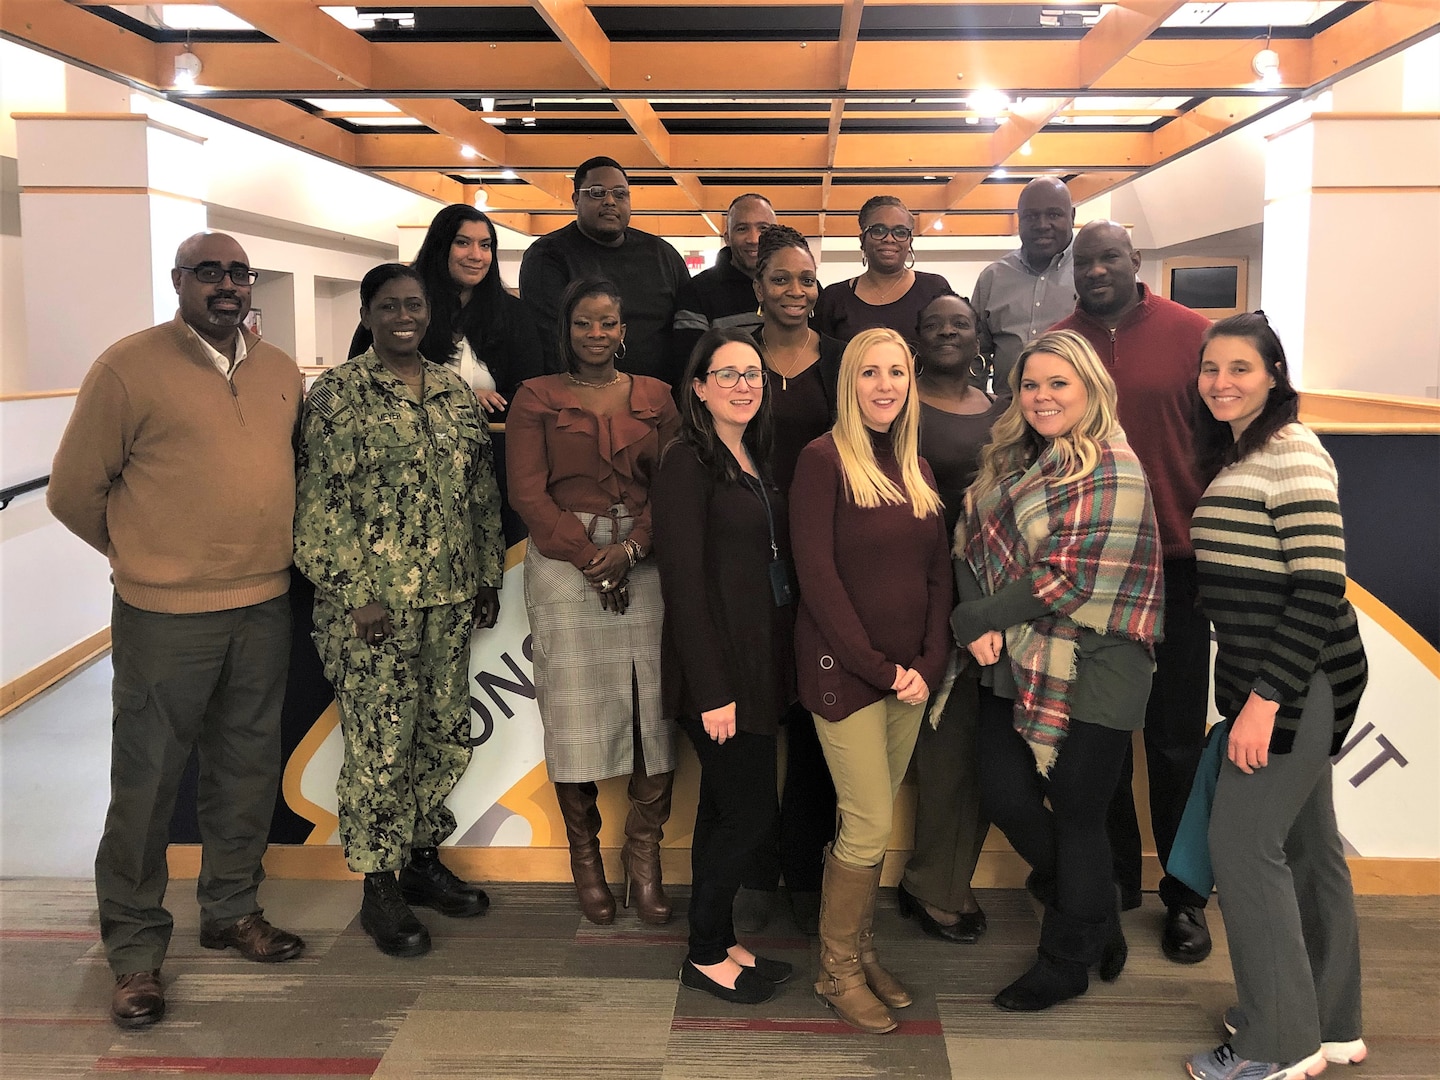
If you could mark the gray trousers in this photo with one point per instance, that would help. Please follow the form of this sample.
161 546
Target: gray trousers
1286 896
949 825
217 681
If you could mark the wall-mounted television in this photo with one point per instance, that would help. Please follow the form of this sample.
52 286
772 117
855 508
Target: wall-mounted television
1215 287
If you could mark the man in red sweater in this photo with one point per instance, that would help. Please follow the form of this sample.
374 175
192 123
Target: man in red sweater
1151 347
178 466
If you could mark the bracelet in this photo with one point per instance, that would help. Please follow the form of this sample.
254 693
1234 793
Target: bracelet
632 551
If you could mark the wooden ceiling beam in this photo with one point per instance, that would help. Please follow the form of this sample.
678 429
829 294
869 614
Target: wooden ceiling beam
431 185
449 117
1205 121
66 30
311 33
850 15
572 22
1119 30
1375 28
1096 183
284 123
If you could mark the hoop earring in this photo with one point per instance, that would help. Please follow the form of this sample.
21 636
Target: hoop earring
910 261
620 352
919 369
863 260
978 367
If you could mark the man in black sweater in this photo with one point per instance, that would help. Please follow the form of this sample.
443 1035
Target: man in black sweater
727 289
661 311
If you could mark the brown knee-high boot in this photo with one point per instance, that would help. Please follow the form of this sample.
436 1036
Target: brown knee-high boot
882 984
640 855
843 898
582 829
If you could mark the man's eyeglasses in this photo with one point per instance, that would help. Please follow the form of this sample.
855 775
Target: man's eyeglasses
727 377
598 193
214 273
877 231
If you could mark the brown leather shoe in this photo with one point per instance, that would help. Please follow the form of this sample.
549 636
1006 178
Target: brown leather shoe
255 938
138 1000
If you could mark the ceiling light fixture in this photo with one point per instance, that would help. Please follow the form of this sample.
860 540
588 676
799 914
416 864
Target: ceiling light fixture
482 198
187 68
1267 66
1026 149
991 104
468 151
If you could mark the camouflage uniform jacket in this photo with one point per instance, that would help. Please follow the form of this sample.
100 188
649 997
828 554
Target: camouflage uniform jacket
397 500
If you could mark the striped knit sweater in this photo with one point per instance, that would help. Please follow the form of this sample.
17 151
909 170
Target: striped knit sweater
1270 547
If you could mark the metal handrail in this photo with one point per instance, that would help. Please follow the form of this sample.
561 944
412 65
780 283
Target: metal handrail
6 494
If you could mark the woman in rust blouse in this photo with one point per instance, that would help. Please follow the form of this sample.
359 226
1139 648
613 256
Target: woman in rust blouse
583 447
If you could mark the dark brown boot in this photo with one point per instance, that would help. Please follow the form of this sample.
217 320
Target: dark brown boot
582 830
138 999
640 856
842 986
882 984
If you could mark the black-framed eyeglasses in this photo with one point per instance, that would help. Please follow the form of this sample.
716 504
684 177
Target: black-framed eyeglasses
726 377
877 231
598 193
214 273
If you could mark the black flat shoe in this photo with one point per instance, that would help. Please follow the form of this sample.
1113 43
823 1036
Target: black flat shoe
751 988
965 931
775 971
1186 937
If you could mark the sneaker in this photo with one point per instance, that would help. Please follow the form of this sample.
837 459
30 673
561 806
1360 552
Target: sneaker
430 883
1223 1063
1336 1053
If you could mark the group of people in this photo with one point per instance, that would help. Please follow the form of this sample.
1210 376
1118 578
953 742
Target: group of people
896 527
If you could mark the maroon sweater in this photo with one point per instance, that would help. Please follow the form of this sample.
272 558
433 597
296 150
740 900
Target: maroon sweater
875 587
1154 358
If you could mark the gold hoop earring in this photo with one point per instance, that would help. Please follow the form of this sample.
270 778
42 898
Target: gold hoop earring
620 352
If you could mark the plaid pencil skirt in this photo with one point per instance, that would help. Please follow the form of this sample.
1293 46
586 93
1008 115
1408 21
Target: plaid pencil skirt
585 658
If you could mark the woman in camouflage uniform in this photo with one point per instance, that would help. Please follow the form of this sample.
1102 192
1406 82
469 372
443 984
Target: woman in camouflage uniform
397 523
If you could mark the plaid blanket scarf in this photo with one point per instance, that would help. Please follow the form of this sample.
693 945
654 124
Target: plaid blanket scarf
1091 549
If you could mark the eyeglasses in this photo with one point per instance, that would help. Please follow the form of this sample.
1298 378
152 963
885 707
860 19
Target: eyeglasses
726 377
214 273
598 193
877 231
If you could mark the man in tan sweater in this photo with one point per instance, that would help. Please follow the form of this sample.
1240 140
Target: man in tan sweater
178 465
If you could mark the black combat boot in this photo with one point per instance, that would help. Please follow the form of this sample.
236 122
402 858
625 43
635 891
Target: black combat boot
429 882
388 920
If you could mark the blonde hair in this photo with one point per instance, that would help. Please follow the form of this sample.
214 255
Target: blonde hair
1015 445
864 480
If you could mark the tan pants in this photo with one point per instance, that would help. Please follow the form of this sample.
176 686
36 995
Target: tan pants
868 752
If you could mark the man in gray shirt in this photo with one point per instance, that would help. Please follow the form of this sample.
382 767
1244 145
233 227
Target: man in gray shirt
1030 290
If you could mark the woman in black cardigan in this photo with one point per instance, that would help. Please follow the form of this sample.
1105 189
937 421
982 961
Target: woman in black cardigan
728 662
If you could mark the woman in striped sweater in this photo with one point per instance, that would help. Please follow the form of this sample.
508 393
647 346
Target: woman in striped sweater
1288 677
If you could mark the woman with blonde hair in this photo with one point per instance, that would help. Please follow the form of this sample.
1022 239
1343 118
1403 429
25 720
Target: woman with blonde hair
1059 573
870 641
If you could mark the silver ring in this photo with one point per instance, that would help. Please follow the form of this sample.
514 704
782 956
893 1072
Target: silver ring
605 585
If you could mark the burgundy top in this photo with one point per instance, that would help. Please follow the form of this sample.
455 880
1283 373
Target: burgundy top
1154 358
560 458
725 640
875 586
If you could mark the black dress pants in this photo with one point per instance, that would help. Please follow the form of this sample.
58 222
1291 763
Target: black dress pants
737 807
1174 736
795 842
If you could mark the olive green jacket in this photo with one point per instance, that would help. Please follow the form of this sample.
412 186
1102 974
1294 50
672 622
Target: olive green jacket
397 500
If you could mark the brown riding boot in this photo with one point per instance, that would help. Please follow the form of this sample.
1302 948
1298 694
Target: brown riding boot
640 855
842 985
582 829
882 984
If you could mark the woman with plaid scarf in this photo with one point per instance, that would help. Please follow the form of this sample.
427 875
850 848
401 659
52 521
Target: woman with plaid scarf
1059 573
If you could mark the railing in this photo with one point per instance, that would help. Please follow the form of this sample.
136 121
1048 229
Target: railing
6 494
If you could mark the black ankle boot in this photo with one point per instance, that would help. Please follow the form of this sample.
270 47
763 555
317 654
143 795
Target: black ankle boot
1049 981
388 920
429 882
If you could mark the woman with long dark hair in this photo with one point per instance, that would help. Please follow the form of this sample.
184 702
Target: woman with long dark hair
1289 672
1060 586
722 541
477 328
584 446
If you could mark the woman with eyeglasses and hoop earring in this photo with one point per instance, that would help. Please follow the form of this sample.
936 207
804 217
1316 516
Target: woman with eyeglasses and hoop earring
890 293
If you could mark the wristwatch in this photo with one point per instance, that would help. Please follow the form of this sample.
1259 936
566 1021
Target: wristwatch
1263 689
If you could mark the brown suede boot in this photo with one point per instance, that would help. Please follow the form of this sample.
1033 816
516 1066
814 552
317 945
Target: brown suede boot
640 855
582 829
884 985
843 897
